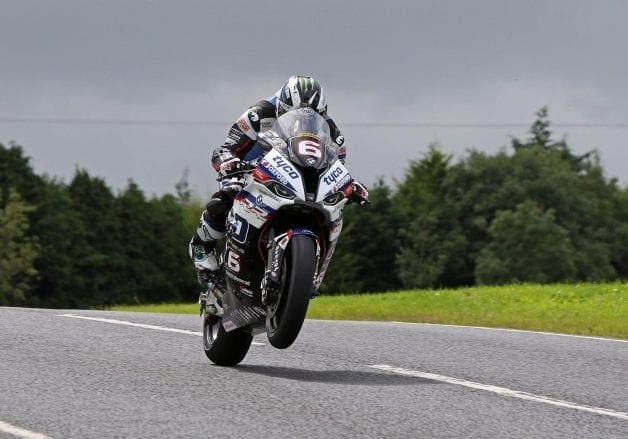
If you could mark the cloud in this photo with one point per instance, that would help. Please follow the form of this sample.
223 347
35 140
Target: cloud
399 61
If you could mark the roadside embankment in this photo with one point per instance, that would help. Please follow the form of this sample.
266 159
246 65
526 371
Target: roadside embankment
585 309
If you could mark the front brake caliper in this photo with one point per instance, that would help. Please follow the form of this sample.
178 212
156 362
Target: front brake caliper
270 288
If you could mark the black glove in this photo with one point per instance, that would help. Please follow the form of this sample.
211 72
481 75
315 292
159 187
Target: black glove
229 166
359 195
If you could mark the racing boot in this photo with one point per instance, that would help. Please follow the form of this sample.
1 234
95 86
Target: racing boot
204 259
210 229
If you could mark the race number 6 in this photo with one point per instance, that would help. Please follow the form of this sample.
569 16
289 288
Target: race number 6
233 262
309 147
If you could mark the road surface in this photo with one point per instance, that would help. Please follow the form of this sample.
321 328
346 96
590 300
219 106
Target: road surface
84 374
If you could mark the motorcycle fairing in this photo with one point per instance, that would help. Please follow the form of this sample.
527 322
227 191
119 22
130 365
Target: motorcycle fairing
278 168
335 179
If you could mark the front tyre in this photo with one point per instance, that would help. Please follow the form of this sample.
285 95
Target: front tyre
222 347
285 316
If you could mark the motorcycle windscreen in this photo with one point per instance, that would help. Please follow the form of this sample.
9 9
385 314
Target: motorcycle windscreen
307 135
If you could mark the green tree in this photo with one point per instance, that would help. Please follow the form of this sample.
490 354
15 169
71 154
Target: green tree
57 225
16 173
17 253
94 241
364 256
620 241
152 249
431 243
526 246
548 174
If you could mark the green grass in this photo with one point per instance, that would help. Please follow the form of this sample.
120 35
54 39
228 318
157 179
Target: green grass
586 309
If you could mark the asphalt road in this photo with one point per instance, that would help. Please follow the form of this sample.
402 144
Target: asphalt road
66 377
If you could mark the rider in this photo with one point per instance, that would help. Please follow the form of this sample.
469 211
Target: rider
240 145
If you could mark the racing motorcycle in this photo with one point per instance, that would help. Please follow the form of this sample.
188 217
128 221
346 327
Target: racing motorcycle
281 234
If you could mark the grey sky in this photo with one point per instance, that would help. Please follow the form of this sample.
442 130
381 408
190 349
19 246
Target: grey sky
452 62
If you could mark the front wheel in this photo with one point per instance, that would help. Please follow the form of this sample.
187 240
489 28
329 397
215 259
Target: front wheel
285 316
222 347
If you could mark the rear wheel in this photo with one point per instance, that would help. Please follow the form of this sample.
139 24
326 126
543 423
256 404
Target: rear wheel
285 316
222 347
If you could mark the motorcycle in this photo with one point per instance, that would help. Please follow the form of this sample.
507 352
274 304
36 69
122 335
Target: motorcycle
281 234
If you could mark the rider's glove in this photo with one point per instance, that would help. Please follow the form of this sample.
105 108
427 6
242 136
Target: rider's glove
229 166
359 195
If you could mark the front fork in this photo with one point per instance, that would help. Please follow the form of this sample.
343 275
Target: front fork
272 280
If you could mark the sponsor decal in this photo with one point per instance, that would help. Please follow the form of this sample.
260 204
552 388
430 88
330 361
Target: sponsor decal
340 140
253 116
235 133
345 180
332 177
284 166
228 324
275 173
254 205
306 83
244 126
310 135
237 279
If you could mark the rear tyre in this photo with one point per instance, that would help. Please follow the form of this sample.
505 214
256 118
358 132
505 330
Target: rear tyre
285 317
225 348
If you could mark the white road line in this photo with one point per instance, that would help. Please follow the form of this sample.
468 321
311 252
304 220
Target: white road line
559 334
488 328
142 325
501 391
20 432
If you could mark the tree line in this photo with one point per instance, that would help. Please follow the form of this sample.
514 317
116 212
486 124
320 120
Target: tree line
535 212
78 245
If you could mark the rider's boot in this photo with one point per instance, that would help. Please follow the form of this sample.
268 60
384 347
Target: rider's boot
211 228
204 259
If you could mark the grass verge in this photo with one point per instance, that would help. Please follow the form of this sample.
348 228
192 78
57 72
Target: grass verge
585 309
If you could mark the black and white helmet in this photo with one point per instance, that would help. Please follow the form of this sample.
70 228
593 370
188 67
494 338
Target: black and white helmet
301 91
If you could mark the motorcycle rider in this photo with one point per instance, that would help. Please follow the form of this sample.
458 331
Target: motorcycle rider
240 145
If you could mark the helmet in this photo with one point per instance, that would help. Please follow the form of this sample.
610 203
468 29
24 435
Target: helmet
301 91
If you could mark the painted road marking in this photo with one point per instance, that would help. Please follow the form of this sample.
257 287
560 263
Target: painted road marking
501 391
513 330
488 328
142 325
20 432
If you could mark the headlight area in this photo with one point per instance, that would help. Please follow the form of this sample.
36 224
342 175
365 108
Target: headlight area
333 199
279 189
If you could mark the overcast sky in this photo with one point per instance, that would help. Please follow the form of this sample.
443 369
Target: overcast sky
394 62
